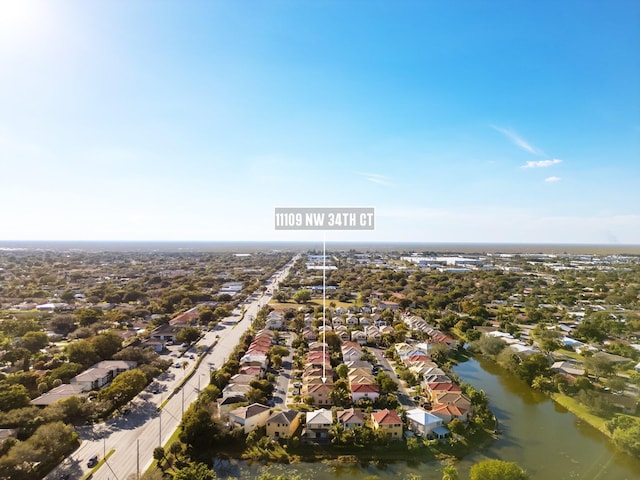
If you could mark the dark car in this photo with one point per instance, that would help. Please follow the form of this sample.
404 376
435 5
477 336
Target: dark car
92 462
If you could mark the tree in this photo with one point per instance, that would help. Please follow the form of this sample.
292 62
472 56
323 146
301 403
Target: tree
82 352
456 426
158 454
18 327
175 449
439 353
222 311
386 383
598 365
15 355
53 440
488 345
497 470
205 316
332 340
89 316
450 473
595 328
12 397
341 395
548 340
63 324
195 471
197 428
70 409
34 341
626 433
124 387
616 384
188 335
532 366
68 296
302 296
342 370
65 372
542 383
106 344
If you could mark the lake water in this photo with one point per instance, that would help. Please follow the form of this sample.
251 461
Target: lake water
541 436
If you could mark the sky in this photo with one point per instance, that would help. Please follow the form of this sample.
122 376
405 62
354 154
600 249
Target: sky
493 121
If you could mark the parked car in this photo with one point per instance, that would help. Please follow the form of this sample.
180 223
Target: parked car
92 462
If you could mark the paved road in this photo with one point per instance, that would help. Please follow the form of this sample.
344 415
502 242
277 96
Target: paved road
133 437
405 398
282 383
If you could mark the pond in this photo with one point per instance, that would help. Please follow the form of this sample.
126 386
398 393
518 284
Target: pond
541 436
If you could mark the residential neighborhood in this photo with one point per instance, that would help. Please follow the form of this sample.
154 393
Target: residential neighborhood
373 366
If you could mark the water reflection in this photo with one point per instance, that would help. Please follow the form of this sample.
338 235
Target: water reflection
541 436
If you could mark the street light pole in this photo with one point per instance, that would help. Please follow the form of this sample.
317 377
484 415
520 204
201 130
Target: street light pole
160 430
138 459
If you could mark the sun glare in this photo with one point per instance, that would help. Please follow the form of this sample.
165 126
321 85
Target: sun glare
20 19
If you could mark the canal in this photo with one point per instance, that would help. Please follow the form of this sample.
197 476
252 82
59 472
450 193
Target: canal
541 436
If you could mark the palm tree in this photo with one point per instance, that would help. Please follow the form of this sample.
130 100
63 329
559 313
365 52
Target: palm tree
450 473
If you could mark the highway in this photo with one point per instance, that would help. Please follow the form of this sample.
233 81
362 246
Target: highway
134 436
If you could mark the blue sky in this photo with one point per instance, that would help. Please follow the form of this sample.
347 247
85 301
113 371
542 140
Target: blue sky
494 121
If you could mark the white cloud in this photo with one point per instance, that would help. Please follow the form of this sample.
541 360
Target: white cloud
518 140
376 178
552 179
541 163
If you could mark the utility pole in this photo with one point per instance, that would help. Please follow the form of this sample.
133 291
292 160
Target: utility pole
138 459
160 430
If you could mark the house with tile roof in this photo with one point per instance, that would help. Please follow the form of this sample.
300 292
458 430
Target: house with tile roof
450 405
388 421
361 391
351 417
320 392
432 388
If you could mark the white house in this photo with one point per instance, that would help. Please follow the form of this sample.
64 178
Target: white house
359 337
362 391
274 321
101 374
422 422
318 424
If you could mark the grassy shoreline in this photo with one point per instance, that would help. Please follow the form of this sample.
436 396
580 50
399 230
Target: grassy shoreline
581 412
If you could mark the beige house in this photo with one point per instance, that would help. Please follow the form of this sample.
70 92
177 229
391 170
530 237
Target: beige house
320 392
388 421
351 418
450 405
283 424
250 417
